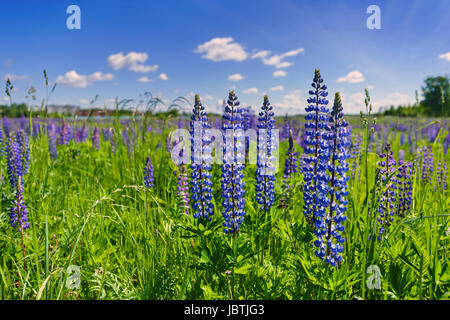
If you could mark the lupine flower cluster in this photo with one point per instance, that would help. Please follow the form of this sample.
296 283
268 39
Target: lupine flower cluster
427 163
265 174
233 166
330 226
404 174
96 139
18 157
317 153
386 208
201 185
290 165
441 173
148 173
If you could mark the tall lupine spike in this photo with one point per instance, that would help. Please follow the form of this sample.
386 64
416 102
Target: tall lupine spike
14 160
52 137
404 187
285 128
233 166
427 163
6 127
316 153
201 185
2 143
22 140
441 173
265 175
18 212
96 139
446 143
66 133
386 207
329 231
112 140
148 173
290 165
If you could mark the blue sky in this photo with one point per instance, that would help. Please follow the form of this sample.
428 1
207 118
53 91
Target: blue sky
178 48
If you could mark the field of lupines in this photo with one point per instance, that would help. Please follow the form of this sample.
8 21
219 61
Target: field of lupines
98 209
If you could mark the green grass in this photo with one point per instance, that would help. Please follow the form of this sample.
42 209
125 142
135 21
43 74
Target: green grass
90 209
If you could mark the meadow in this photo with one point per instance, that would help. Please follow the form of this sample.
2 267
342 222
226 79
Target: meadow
94 212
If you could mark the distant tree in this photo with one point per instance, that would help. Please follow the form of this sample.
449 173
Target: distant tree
436 93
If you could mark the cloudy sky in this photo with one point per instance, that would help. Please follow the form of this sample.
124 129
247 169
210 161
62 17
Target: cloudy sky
257 47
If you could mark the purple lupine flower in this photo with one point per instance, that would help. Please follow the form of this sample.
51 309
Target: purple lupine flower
233 192
183 188
52 137
82 133
290 165
6 126
402 138
148 173
317 154
112 140
201 185
329 230
427 160
23 122
285 128
96 139
446 143
66 133
22 141
441 173
404 188
2 143
265 175
401 155
18 212
14 160
386 207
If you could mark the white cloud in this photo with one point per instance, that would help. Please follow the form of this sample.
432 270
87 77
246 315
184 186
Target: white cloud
73 79
235 77
277 60
144 79
354 103
292 103
279 73
163 76
261 54
352 77
250 90
445 56
84 101
394 98
277 88
134 61
222 49
13 77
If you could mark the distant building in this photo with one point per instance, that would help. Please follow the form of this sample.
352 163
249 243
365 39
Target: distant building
63 109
